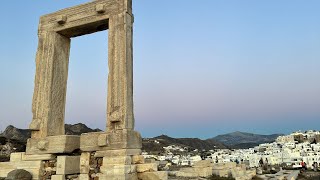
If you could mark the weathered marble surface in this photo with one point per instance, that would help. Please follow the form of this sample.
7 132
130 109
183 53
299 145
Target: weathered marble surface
120 139
53 145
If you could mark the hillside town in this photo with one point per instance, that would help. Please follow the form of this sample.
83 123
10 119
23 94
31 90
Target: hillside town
296 151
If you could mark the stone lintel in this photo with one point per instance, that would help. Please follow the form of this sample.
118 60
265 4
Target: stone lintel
53 145
85 18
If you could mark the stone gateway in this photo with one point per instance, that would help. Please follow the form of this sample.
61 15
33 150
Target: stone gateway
55 33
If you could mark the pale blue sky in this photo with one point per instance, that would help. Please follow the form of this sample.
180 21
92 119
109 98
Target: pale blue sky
201 68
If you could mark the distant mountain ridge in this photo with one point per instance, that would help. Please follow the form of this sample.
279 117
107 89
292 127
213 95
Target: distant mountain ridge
12 132
245 140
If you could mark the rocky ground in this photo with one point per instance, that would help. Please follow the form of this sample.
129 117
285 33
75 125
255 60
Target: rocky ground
309 175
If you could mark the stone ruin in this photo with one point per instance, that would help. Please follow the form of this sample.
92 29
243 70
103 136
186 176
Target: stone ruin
113 154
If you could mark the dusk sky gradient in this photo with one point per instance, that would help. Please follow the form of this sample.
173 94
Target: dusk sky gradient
201 68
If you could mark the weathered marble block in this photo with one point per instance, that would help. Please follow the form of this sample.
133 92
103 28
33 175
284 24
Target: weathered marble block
131 176
118 169
16 157
118 152
85 162
121 160
119 139
68 165
53 144
158 175
38 157
149 167
138 159
84 177
58 177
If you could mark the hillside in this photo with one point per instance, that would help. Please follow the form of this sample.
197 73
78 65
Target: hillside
156 144
12 132
244 140
78 129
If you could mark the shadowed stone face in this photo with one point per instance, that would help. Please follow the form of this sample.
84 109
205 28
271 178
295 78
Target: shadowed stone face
55 33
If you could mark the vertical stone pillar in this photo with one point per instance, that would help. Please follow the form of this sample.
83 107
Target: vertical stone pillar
49 96
120 80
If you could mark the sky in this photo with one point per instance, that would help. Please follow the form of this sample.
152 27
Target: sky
201 68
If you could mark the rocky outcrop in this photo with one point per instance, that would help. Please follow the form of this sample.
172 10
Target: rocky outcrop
78 129
12 132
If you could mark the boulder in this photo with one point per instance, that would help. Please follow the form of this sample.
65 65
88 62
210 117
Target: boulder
19 174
